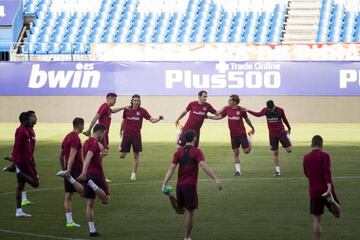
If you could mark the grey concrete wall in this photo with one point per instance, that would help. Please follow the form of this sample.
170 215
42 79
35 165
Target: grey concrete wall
297 109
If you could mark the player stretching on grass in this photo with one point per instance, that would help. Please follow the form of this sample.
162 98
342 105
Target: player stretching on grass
130 131
317 168
103 116
188 158
71 161
198 111
275 117
93 175
24 161
238 135
11 168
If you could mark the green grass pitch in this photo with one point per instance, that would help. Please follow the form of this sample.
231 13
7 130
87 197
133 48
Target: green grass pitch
253 206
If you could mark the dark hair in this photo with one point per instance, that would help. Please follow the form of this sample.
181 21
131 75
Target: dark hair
99 127
30 112
202 92
317 141
24 118
270 104
77 121
189 135
111 95
235 98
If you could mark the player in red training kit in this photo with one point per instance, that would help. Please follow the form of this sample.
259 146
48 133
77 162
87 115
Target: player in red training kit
189 158
71 160
11 168
236 115
275 117
317 168
197 113
103 116
92 174
130 131
24 161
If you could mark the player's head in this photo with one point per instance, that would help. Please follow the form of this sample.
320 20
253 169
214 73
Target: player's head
234 100
270 104
135 101
32 116
190 136
78 123
99 131
111 98
317 141
202 95
24 119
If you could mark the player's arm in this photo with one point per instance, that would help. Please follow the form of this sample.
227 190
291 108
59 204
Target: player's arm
286 122
61 159
327 173
215 117
87 133
211 174
182 114
305 172
169 174
87 160
122 127
70 161
257 114
218 112
115 110
248 122
155 120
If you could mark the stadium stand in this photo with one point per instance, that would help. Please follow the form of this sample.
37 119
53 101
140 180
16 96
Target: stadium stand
59 28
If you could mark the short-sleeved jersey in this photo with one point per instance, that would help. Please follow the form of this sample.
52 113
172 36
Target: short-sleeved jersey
197 114
95 165
72 140
274 119
188 158
317 168
22 151
105 115
32 138
133 119
235 120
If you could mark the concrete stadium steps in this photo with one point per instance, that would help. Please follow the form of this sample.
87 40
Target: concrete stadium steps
302 20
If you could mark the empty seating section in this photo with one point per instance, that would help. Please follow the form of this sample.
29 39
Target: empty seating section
339 21
61 27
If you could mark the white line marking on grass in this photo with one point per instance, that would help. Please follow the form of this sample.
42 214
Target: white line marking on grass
36 235
200 180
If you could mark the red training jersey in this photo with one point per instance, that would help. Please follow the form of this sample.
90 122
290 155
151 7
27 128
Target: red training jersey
275 119
105 116
133 119
22 150
188 158
72 140
95 165
197 114
317 168
235 120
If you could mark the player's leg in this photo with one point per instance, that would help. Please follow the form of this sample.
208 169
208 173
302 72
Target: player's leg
99 186
124 147
78 187
235 145
285 142
20 187
90 217
332 203
137 148
24 172
274 147
316 227
68 211
189 216
135 166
